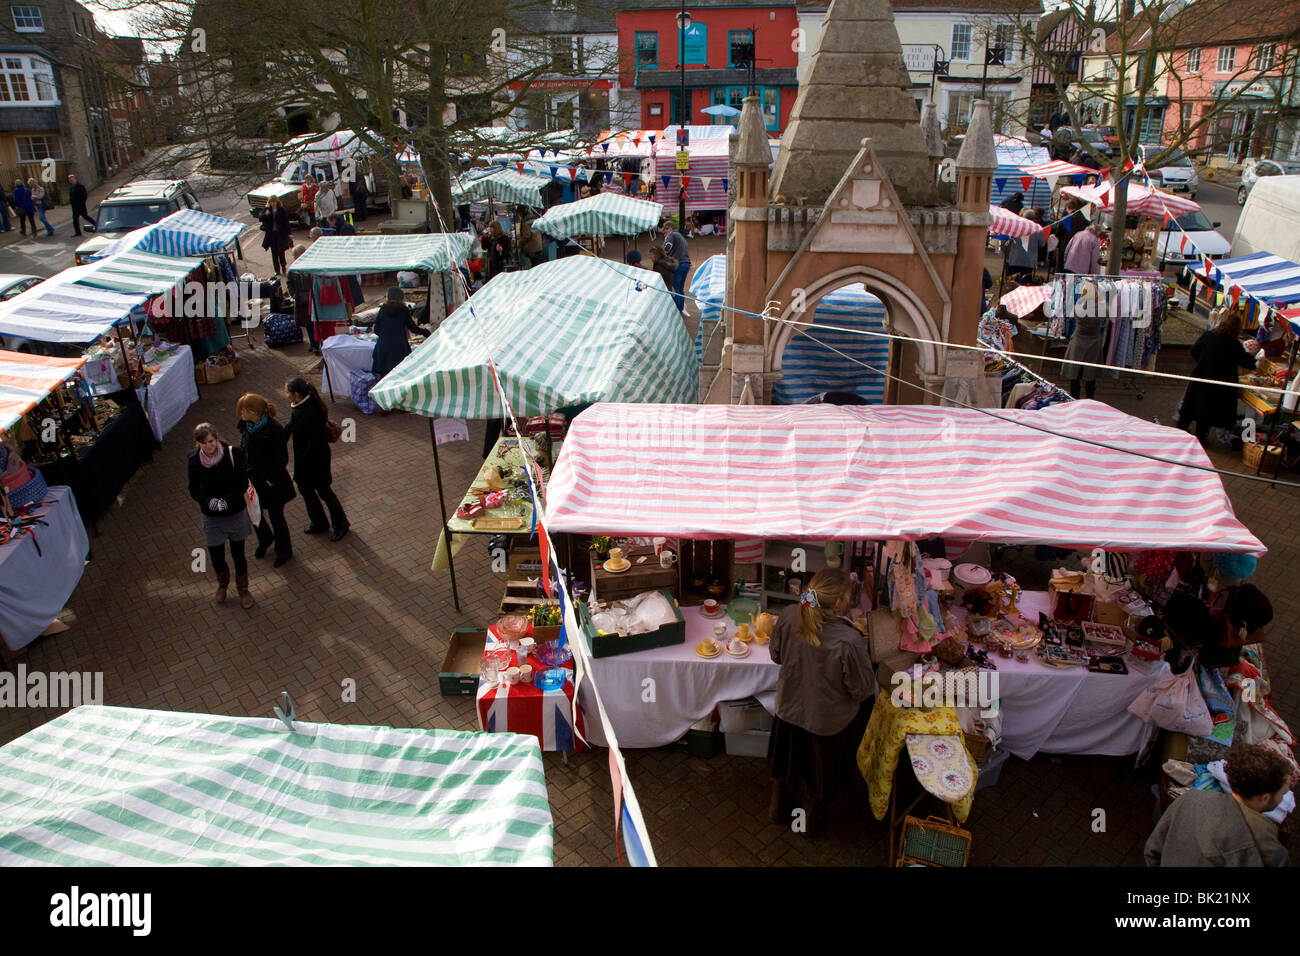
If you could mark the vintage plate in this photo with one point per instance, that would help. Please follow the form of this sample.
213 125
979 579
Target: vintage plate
741 608
617 569
699 649
720 612
744 653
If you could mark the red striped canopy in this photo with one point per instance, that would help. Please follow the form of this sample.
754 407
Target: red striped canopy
1056 168
25 381
1142 200
883 472
1006 224
1022 301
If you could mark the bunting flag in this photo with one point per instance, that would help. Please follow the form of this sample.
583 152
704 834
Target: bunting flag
519 166
1078 179
1235 295
1167 217
573 174
1182 243
1051 182
604 147
1105 197
1068 222
686 181
554 171
652 139
1103 173
667 180
1000 182
1027 182
1128 165
705 181
636 140
627 179
725 188
609 176
1047 232
1250 311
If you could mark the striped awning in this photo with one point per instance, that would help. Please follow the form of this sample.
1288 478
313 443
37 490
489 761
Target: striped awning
1006 224
890 472
63 309
26 380
574 330
605 214
834 356
348 255
114 786
1056 168
135 271
1024 300
1263 275
504 185
185 233
709 286
1142 200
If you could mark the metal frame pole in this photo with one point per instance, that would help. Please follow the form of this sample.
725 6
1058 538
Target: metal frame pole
442 506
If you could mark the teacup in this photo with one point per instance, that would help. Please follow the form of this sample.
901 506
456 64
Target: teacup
742 633
526 674
512 675
708 645
737 646
720 630
660 544
616 557
710 606
667 559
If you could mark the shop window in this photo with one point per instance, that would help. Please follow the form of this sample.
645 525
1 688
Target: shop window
740 49
1227 58
27 80
1194 61
561 49
1265 57
33 149
28 19
961 39
647 50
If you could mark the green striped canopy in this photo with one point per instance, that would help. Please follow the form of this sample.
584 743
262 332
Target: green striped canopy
504 185
579 329
118 786
144 273
605 214
348 255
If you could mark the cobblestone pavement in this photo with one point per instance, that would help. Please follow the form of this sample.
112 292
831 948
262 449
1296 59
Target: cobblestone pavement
368 608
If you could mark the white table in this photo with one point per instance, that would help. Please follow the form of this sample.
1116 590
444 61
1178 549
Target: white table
686 686
172 391
34 587
343 355
1070 710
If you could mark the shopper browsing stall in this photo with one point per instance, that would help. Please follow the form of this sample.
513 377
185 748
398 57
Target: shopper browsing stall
217 482
1218 354
266 459
308 427
391 325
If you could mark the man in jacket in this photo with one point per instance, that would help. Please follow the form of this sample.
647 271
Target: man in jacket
77 199
326 202
360 196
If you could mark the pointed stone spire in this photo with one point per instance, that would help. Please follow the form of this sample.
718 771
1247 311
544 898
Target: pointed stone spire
930 130
857 87
752 149
978 150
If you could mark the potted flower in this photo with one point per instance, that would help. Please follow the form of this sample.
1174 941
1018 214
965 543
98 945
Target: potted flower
600 547
545 619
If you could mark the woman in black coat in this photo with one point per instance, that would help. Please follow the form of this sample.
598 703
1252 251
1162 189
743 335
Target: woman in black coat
277 234
1218 354
266 459
391 325
311 458
217 483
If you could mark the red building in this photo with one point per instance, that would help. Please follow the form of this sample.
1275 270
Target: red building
729 46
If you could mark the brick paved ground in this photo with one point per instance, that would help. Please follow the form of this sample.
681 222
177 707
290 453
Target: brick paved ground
369 609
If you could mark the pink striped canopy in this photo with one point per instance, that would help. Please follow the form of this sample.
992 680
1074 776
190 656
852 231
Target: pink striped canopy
1056 168
1142 200
1022 301
1008 225
882 472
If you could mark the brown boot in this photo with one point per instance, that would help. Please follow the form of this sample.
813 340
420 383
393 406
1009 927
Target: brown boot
245 596
223 584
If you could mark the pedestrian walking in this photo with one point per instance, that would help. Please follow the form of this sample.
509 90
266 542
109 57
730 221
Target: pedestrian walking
40 202
1015 202
391 325
497 245
327 203
24 208
308 427
676 247
77 199
277 234
4 210
266 460
826 674
217 482
360 197
1218 354
307 201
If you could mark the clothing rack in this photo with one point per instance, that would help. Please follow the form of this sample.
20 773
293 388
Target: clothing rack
1154 286
1006 362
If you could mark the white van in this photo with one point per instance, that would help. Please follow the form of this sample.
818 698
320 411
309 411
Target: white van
320 156
1270 220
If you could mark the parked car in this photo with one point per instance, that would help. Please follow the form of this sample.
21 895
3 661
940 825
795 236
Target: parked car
321 156
1254 169
1107 133
1176 173
11 285
1202 240
135 205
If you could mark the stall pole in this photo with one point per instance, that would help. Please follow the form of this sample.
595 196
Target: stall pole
1276 417
442 505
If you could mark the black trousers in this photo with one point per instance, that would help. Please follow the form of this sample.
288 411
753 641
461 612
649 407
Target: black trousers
313 497
79 213
218 556
277 260
273 529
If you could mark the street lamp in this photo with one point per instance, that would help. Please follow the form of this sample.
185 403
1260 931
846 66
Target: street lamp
683 112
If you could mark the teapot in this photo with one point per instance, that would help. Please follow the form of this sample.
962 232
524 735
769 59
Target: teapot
762 625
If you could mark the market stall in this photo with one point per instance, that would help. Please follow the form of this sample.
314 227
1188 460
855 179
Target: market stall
820 475
183 234
707 176
157 788
1013 155
605 214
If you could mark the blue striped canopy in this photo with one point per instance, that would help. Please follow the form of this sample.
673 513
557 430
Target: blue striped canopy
185 233
808 367
708 286
1264 276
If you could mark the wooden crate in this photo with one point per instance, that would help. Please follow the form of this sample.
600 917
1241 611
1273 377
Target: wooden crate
607 586
519 597
524 563
707 560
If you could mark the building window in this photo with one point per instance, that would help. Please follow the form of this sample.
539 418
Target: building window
165 102
734 96
961 36
1109 71
647 50
1227 58
28 19
1187 116
1194 61
771 107
1265 57
561 54
33 149
959 107
27 80
740 49
1006 38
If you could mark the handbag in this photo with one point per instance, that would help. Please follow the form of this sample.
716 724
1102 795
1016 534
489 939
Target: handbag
333 431
251 501
1175 704
47 202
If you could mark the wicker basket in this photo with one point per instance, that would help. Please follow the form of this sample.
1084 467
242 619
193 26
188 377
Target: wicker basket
977 747
933 842
1255 452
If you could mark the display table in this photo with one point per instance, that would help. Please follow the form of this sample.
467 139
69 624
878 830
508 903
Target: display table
686 686
171 392
37 576
103 468
525 709
343 355
1070 710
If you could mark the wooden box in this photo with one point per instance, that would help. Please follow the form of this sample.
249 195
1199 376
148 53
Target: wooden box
705 561
607 586
459 674
612 645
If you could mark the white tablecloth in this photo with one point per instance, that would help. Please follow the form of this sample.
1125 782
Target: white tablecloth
34 587
171 392
1070 710
344 354
686 686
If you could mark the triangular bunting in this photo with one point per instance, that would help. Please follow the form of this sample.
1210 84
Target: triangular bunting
609 176
706 181
627 179
1078 179
1027 182
1047 232
554 171
651 137
686 181
725 187
545 547
1000 182
1182 243
573 174
1051 182
667 180
1167 216
604 147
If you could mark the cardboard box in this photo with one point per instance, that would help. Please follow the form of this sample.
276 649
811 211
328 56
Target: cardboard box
459 674
612 645
742 716
748 743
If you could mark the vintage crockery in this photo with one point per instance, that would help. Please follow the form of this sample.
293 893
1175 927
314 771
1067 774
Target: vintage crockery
667 559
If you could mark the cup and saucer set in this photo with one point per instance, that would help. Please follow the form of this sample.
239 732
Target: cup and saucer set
715 646
617 562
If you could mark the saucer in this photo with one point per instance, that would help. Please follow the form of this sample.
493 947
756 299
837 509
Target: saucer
731 653
699 649
617 568
762 641
720 612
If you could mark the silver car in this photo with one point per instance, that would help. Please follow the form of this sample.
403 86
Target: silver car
1177 174
1254 169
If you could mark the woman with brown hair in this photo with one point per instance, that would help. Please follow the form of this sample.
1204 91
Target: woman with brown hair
825 676
308 426
278 234
217 483
1218 354
266 460
497 245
